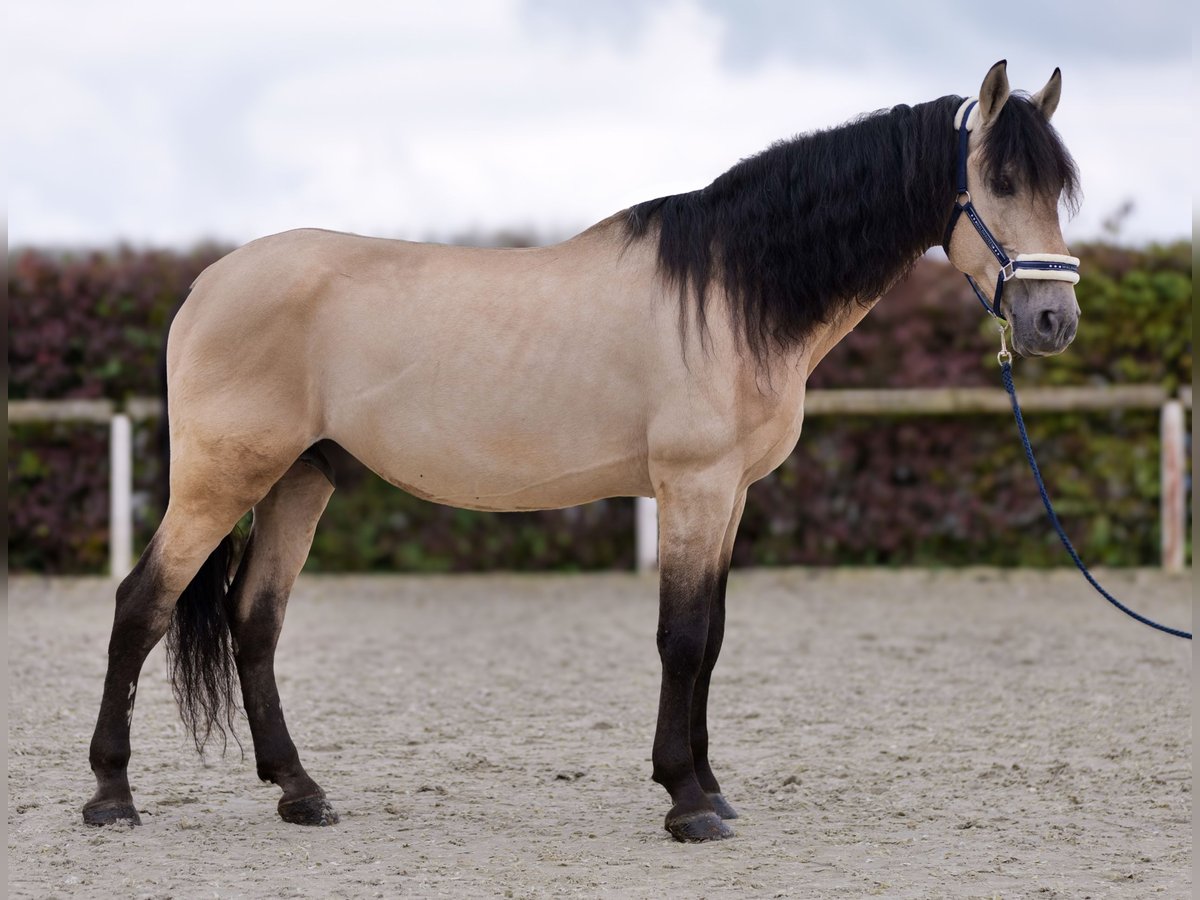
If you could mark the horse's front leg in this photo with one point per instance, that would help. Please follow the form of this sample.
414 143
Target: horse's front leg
693 519
712 649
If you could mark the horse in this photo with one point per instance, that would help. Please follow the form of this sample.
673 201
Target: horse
663 352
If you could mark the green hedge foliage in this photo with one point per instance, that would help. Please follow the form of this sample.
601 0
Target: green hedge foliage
896 491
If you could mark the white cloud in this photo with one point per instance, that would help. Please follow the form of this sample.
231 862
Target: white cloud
168 123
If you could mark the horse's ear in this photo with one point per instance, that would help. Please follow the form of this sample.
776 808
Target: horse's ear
1047 98
994 92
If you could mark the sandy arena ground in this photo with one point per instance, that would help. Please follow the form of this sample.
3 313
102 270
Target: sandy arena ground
911 734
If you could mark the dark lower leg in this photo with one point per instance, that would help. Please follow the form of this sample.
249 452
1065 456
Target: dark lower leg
275 755
277 760
141 619
712 649
683 630
283 531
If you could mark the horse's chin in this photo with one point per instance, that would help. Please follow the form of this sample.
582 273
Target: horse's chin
1030 353
1028 349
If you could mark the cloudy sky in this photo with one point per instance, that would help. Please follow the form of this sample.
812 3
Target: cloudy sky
166 123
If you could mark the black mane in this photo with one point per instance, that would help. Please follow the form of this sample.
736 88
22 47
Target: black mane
797 233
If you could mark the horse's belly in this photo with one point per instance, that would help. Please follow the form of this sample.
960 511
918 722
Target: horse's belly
501 473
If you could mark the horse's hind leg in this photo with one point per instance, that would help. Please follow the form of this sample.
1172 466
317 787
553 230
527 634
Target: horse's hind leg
693 517
145 600
712 649
284 523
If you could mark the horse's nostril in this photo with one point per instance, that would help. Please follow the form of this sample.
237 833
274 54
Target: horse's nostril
1047 323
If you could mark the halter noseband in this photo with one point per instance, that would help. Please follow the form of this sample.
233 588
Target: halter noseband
1044 266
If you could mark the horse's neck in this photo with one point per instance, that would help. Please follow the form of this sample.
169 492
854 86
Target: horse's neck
831 334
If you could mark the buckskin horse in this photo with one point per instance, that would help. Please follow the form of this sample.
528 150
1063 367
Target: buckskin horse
661 353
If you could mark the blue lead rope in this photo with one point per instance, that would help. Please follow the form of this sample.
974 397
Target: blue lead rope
1006 369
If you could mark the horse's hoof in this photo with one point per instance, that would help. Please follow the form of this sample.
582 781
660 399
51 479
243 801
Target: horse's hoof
694 828
111 813
721 806
313 810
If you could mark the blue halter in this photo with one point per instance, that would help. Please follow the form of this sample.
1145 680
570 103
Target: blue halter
1052 266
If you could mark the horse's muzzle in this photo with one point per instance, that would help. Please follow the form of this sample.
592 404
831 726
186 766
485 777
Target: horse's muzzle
1044 317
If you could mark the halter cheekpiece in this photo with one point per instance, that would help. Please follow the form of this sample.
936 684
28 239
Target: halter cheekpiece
1044 266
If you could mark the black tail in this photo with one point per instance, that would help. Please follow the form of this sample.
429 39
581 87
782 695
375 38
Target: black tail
200 651
199 644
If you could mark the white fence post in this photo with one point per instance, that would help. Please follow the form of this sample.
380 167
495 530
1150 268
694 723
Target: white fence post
1172 473
120 492
646 529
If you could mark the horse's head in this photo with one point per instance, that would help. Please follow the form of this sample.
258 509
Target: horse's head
1018 173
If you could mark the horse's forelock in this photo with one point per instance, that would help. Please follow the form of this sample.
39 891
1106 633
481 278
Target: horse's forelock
1023 144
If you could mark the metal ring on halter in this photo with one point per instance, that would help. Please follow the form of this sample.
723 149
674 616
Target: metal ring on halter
1008 270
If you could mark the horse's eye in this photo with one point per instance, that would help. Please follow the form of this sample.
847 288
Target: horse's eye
1003 187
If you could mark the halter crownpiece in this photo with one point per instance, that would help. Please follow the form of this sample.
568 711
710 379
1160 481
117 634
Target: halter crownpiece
1039 266
969 108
